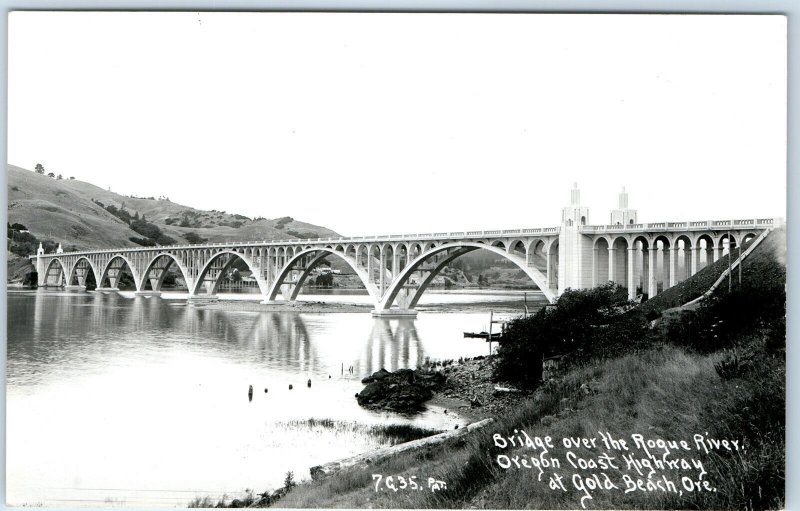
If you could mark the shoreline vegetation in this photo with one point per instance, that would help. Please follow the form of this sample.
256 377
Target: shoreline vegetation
598 365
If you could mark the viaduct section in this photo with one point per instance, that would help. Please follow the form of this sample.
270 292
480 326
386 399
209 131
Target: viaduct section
396 269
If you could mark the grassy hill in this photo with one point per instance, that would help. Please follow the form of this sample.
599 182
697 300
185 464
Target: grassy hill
759 268
723 377
76 214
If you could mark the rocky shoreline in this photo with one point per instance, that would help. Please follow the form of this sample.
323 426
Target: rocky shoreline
462 387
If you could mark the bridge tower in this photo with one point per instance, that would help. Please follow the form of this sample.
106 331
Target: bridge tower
623 215
574 249
40 265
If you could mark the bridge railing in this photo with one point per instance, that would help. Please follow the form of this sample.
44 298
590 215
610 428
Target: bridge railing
751 223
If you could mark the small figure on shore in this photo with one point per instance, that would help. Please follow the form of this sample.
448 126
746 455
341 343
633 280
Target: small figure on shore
265 390
250 393
309 383
290 386
329 376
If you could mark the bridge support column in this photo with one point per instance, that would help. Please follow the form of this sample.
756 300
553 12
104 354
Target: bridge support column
612 267
652 280
631 273
382 272
673 266
695 260
594 266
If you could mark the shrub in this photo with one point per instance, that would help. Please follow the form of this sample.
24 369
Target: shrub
194 238
595 322
145 242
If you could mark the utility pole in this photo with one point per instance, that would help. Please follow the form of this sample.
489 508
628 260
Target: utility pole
740 265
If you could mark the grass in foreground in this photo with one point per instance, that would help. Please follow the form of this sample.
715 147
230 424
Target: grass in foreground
664 392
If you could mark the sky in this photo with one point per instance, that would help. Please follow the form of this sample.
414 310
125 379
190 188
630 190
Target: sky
408 123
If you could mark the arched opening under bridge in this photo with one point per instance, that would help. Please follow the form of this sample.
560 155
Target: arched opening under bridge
83 274
318 268
119 274
55 274
165 273
229 271
424 269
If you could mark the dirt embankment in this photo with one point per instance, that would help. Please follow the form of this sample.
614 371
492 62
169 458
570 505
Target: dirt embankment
17 268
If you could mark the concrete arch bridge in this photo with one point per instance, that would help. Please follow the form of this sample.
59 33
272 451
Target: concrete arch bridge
397 269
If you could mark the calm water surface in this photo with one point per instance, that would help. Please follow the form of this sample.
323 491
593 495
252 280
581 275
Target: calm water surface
115 400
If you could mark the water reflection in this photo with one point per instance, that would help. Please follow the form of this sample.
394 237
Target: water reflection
53 329
163 385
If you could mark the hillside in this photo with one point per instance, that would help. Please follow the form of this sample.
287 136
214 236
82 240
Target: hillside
759 268
80 215
65 211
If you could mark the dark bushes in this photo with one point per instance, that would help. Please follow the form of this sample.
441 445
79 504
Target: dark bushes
598 322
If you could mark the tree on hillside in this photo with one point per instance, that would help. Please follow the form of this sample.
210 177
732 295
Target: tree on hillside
72 178
39 168
50 174
59 177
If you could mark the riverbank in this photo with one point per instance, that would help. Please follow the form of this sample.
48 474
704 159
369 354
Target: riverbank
663 392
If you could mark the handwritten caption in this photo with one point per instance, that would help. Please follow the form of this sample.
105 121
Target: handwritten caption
611 463
400 483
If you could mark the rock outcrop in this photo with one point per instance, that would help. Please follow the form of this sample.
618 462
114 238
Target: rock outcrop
404 390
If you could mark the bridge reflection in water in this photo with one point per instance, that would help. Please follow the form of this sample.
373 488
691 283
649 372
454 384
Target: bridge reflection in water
157 379
274 338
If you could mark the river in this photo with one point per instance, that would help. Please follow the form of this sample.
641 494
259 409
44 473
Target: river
134 401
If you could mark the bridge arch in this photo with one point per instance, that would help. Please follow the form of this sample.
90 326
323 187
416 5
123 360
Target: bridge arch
91 266
726 241
127 262
319 254
60 276
748 236
172 259
462 247
201 277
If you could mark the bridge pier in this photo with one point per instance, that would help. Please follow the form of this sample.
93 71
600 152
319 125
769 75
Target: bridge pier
75 289
394 313
107 289
267 301
147 293
201 299
652 281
